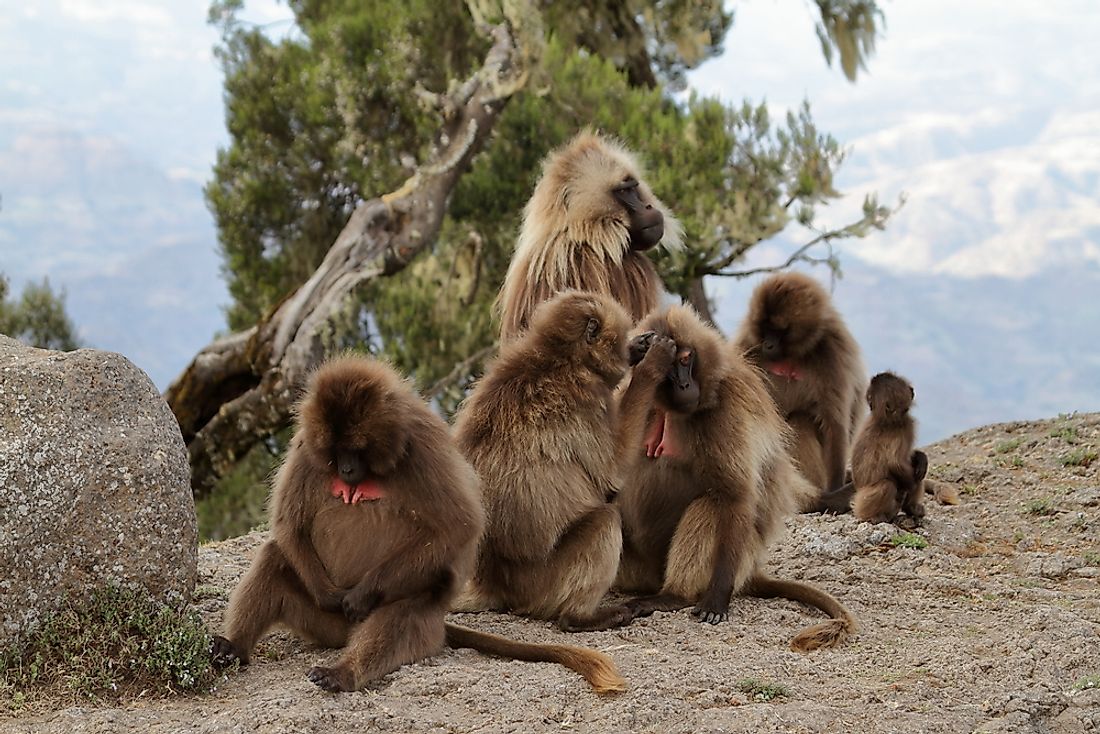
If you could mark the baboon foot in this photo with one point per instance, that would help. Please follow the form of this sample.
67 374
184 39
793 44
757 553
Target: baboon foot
333 680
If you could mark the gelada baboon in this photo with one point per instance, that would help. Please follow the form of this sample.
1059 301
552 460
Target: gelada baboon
813 371
887 474
375 520
699 515
543 433
587 226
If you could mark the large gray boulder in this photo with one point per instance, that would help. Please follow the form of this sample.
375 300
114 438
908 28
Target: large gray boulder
94 484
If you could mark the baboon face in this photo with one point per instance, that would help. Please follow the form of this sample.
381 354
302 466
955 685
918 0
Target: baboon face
645 223
786 316
589 327
889 396
690 385
682 386
601 190
352 423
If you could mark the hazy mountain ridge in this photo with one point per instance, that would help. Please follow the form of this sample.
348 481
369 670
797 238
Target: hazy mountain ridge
134 248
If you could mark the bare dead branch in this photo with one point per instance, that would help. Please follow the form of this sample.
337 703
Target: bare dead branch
240 389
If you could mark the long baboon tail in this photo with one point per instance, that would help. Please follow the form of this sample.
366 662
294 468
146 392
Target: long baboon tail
943 492
825 634
598 669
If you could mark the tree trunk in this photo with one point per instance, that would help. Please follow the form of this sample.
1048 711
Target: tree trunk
697 297
240 389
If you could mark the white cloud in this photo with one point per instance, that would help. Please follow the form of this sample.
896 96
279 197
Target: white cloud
130 12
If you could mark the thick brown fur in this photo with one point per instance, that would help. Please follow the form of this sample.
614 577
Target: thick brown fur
885 474
576 235
813 370
698 521
544 434
375 577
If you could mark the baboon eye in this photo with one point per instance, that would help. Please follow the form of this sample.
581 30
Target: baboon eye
628 182
685 358
592 330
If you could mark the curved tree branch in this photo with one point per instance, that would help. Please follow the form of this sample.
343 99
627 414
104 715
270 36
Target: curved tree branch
240 389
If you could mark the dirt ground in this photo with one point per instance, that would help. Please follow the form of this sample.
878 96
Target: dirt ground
992 627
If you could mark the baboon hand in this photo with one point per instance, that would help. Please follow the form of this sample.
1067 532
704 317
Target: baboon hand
658 360
332 601
224 653
710 612
360 602
919 461
639 345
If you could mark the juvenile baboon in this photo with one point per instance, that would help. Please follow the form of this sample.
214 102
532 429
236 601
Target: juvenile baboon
813 371
698 517
375 519
587 226
543 432
887 474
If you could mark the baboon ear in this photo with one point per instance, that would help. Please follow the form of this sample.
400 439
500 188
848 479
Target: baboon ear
592 330
388 454
912 394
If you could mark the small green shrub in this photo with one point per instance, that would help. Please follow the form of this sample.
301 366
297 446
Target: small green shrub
1089 681
909 540
107 644
763 692
1079 457
1003 447
1067 434
1040 507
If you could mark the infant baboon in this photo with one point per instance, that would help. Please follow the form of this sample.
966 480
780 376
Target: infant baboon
374 523
587 226
887 474
544 434
701 507
814 372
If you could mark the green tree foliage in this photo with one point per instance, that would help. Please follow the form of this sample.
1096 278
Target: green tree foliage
38 317
318 123
848 29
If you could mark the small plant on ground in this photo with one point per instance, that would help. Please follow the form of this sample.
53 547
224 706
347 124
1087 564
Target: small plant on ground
1003 447
761 691
1079 457
1040 507
107 644
1092 558
1067 434
1089 681
908 540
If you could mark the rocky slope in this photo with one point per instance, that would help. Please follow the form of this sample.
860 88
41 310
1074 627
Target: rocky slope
992 627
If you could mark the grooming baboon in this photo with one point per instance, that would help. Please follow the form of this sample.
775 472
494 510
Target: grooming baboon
887 474
375 520
698 516
814 372
543 432
587 226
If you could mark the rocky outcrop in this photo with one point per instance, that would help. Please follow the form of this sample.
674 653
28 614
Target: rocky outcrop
94 484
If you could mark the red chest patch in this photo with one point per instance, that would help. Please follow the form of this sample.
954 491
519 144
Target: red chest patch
658 439
785 369
362 492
